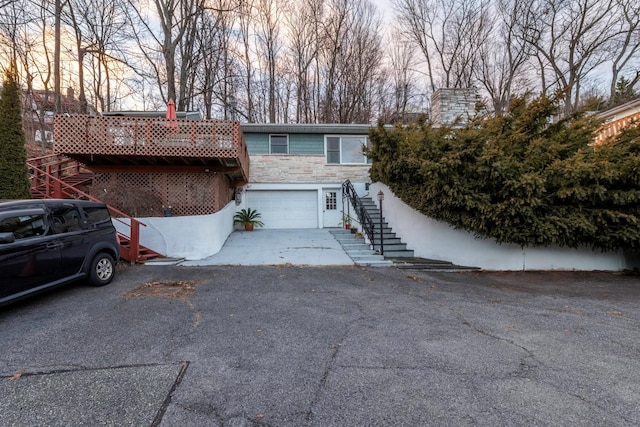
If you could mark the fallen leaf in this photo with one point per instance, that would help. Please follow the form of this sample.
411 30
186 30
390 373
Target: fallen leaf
16 375
260 416
511 326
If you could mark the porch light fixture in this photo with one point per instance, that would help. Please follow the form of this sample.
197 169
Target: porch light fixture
380 199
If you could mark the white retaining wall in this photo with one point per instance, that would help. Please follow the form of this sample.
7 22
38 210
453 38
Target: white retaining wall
437 240
190 237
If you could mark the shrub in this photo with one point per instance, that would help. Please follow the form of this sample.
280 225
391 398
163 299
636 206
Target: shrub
519 178
14 175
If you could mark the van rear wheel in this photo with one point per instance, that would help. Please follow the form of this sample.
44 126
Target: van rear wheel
103 269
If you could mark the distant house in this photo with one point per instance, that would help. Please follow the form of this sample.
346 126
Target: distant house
617 118
297 171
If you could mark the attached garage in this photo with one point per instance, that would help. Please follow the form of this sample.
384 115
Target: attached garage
285 208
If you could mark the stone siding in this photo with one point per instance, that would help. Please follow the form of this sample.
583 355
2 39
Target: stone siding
449 105
306 169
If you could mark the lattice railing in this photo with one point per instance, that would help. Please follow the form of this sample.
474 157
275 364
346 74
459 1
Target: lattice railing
116 135
185 193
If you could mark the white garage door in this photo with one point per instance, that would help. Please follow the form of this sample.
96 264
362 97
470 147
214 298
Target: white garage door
285 209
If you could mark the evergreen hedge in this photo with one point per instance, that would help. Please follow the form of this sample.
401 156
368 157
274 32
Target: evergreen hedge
14 178
519 178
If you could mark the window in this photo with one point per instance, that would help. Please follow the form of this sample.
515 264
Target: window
331 202
24 226
96 216
278 144
346 149
66 219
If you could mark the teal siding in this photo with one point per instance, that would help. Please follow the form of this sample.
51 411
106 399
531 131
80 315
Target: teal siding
257 143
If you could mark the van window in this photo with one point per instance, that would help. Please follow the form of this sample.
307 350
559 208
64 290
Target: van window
24 226
66 219
96 216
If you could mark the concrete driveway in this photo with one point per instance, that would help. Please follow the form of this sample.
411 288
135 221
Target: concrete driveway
278 247
326 346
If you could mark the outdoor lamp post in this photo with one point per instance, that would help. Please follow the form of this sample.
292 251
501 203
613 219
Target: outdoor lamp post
380 199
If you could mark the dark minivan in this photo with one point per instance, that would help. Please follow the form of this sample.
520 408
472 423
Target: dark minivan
47 243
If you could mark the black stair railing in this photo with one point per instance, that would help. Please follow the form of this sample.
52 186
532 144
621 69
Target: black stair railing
349 193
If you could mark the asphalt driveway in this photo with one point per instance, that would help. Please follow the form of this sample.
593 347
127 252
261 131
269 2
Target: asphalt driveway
325 346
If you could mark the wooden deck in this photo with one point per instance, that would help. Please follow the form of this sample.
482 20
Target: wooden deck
145 144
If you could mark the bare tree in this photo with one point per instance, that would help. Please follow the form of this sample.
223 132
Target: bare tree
350 60
448 34
302 22
245 12
571 38
627 46
402 62
99 27
503 54
267 26
167 47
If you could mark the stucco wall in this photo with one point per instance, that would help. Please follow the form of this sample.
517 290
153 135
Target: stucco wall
437 240
290 168
189 237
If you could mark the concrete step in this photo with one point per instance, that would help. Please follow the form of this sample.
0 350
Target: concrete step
391 247
383 263
359 251
429 265
398 253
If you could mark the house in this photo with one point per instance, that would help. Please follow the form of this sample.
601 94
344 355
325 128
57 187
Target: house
297 170
39 111
617 118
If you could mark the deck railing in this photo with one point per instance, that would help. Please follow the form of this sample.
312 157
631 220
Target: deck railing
143 136
614 127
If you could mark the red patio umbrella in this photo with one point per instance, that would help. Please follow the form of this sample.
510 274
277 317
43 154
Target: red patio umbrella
171 110
171 115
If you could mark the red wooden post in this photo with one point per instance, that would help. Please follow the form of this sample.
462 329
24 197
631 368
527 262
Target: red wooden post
134 242
57 189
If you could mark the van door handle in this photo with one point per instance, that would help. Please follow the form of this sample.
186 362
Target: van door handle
51 246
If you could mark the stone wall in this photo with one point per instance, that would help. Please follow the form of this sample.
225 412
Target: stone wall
290 168
449 105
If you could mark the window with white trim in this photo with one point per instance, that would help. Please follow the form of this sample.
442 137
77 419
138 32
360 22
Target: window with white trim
278 144
346 149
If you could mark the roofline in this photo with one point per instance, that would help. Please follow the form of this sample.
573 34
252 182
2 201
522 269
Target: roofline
151 114
620 108
335 128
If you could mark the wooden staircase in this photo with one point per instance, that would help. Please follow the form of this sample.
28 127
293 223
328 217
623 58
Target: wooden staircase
58 177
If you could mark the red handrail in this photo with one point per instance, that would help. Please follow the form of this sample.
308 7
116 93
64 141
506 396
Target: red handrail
54 188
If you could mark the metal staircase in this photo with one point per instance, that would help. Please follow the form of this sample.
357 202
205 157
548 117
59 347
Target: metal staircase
382 239
58 177
392 248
